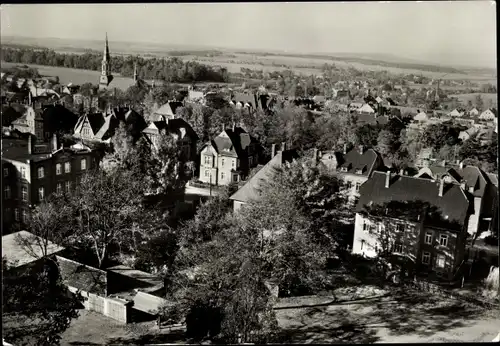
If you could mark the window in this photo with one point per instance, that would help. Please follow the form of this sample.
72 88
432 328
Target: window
5 172
24 193
440 261
58 188
67 167
358 184
83 164
426 257
67 186
23 172
428 238
222 175
23 215
400 227
362 244
233 163
207 159
207 173
398 248
250 161
58 169
6 192
40 172
366 226
16 214
443 240
343 169
40 193
222 162
235 177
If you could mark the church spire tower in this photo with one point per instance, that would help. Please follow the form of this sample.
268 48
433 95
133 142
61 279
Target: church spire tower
106 76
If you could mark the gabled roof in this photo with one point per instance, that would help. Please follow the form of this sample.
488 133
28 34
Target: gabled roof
173 126
453 205
107 129
232 142
366 108
81 276
474 177
169 108
354 161
245 98
251 190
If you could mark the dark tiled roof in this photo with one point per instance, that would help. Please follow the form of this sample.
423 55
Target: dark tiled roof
251 190
453 206
11 113
82 277
17 150
244 98
58 118
96 121
354 160
476 178
235 142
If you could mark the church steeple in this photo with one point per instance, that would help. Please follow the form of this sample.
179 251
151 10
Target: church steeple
106 76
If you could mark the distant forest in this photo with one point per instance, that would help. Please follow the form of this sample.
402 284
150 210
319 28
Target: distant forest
173 69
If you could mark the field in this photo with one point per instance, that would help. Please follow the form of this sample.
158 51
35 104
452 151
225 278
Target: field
75 76
464 98
234 60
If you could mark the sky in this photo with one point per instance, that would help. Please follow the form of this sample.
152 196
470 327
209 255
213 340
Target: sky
448 32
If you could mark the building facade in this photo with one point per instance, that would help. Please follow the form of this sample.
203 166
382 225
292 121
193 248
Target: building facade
422 221
228 157
32 172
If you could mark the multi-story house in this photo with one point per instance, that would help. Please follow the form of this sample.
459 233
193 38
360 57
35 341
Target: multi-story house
30 122
181 131
251 190
354 167
167 111
481 189
420 220
228 157
31 172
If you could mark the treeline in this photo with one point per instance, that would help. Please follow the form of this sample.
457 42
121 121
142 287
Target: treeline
173 70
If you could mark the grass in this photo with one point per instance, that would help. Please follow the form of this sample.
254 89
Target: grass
402 316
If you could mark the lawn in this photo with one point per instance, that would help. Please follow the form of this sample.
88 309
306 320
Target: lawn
401 316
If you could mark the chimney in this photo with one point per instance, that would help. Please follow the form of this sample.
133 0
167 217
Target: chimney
361 149
401 172
223 127
345 149
283 146
441 187
387 179
31 144
463 185
461 165
273 150
316 154
471 189
54 142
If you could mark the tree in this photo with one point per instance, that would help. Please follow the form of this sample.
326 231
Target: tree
472 152
47 224
367 135
106 206
37 307
437 135
479 102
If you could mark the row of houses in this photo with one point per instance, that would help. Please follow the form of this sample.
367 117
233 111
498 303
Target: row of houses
453 205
